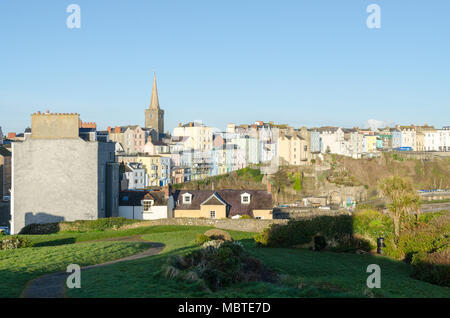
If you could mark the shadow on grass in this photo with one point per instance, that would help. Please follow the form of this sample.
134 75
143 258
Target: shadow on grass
67 240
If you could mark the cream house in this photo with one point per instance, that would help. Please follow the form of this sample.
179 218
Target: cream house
223 204
293 150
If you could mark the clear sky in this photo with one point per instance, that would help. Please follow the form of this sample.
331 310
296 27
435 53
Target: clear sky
301 62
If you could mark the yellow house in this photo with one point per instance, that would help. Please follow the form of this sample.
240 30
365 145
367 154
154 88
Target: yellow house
223 204
370 143
157 169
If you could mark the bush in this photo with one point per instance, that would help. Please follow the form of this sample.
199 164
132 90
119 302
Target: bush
78 226
47 228
202 238
218 266
335 230
216 234
319 243
433 268
372 224
421 238
245 216
13 242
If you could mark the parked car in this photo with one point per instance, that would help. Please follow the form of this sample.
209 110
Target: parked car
4 229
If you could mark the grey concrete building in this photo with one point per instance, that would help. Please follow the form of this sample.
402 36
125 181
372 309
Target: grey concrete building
58 176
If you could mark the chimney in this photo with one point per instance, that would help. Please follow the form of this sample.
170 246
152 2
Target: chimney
179 124
166 191
11 135
117 129
109 129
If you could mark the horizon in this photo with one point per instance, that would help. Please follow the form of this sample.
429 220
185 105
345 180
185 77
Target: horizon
301 64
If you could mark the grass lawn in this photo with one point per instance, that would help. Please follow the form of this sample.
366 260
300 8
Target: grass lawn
77 237
304 273
19 266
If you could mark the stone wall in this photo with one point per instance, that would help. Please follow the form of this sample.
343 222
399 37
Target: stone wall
296 213
245 225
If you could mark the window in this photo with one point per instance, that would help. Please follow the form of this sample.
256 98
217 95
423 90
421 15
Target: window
148 205
245 198
187 198
212 214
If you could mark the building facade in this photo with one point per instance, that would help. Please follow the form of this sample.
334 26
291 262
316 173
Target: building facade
57 176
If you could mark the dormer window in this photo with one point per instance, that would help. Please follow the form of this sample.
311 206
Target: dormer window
245 198
187 198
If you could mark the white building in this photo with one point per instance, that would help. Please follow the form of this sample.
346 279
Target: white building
408 136
146 205
133 176
201 136
444 139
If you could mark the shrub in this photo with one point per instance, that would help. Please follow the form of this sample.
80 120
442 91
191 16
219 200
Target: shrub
47 228
319 243
433 268
245 216
218 265
202 238
13 242
217 234
372 224
78 226
421 238
335 230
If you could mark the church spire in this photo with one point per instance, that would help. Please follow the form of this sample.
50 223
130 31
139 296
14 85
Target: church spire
154 103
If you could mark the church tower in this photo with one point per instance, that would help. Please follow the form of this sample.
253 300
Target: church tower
154 116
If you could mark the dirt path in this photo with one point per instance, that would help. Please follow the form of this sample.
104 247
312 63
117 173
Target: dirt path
53 285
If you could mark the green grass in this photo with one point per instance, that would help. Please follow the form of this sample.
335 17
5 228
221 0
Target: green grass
19 266
304 273
62 238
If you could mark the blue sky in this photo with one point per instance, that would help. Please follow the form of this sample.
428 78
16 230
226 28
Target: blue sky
300 62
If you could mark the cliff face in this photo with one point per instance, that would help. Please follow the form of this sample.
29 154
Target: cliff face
337 177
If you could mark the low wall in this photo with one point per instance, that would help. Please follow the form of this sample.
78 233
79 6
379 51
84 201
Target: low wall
296 213
245 225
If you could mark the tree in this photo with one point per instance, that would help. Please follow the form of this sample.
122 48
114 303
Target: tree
402 199
279 181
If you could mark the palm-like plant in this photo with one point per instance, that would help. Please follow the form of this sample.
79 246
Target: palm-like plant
402 199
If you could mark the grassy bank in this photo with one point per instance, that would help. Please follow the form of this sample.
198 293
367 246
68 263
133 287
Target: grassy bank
19 266
304 274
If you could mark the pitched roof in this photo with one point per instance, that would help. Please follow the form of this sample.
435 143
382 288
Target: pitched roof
259 200
134 198
4 152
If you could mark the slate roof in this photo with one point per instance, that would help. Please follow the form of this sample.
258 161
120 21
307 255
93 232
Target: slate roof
4 152
134 198
259 200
